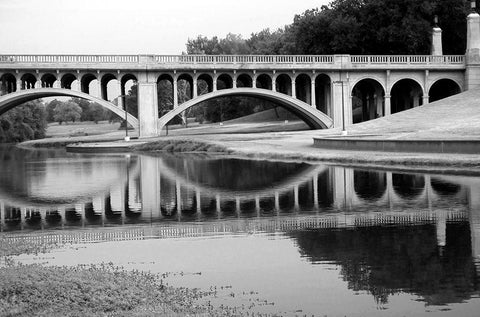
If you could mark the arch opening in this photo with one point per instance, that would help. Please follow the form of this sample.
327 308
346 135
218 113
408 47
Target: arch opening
8 84
28 81
368 100
244 80
204 84
443 88
312 117
165 93
406 94
12 100
264 81
67 81
48 81
224 81
303 88
106 82
283 84
323 95
85 82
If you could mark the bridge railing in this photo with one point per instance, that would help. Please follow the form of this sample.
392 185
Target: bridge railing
242 59
69 58
407 59
374 60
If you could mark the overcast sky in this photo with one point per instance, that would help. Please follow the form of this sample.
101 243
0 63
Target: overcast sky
133 26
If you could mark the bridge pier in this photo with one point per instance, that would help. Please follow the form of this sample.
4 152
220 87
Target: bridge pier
148 108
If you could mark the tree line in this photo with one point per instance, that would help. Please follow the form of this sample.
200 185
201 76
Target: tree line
363 27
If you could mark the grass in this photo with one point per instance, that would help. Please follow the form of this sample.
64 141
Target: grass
89 290
80 128
180 145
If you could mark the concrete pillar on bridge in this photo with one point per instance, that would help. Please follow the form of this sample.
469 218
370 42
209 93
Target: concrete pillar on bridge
312 92
274 82
175 92
388 104
294 90
425 99
148 104
472 73
234 80
342 109
214 84
195 86
38 83
237 205
19 85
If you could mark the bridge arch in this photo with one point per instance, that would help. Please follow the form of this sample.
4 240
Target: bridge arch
28 81
224 81
313 118
323 93
12 100
85 82
303 87
443 88
264 81
67 80
8 83
48 80
406 93
204 84
244 80
368 96
104 81
283 84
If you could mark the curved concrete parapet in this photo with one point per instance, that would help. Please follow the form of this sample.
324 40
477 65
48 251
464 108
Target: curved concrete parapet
313 117
12 100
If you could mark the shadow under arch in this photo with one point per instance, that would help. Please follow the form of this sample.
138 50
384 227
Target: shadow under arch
314 118
305 173
12 100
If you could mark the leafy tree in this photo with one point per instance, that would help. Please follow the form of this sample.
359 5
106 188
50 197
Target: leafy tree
25 122
67 111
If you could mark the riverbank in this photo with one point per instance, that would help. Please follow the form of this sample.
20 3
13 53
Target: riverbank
90 290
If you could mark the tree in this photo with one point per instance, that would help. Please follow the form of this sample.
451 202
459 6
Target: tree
25 122
67 111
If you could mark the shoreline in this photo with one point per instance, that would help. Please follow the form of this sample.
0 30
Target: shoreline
289 146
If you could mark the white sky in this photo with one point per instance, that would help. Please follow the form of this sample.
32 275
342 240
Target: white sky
133 26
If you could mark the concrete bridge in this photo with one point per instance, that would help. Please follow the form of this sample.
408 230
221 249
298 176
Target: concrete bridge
323 90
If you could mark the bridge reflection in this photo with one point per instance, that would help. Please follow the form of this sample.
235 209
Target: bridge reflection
389 232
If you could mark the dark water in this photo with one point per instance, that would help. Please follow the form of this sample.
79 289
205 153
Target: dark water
284 238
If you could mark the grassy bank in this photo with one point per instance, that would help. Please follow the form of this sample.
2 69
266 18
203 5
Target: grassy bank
180 145
89 290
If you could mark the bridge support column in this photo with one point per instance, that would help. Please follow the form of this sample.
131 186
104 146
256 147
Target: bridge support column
148 108
312 95
342 109
19 85
425 99
388 105
195 87
175 93
294 90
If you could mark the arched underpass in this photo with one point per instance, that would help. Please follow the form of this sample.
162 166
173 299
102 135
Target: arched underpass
15 99
314 118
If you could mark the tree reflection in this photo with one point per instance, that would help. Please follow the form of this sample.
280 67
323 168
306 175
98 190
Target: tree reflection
389 260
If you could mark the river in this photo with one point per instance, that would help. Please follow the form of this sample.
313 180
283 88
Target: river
271 237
